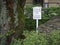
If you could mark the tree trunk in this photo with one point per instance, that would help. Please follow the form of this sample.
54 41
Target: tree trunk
21 18
10 14
9 6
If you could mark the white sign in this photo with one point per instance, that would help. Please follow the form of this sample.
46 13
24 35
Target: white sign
37 12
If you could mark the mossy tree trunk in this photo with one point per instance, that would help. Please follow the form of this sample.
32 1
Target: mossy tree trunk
21 18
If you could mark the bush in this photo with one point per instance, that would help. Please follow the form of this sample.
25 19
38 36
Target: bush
16 42
54 38
33 38
47 13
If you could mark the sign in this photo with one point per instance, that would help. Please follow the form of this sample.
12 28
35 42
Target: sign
37 15
37 12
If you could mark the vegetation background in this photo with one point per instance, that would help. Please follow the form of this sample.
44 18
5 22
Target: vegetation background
18 28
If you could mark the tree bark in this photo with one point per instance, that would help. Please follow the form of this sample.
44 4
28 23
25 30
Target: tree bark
9 6
10 13
21 18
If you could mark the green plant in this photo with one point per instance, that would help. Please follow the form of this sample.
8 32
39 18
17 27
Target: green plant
47 13
33 38
15 42
54 38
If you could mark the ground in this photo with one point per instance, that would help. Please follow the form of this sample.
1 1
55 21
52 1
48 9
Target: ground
52 24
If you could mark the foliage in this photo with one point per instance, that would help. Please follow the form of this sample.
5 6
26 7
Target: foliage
33 38
15 42
47 13
50 12
30 24
54 38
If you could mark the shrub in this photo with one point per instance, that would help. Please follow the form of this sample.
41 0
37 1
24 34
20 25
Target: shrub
16 42
54 38
33 38
47 13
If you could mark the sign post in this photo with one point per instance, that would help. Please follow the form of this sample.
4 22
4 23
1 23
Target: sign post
37 25
37 15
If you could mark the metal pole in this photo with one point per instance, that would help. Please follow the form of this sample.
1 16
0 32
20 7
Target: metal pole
37 30
37 25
